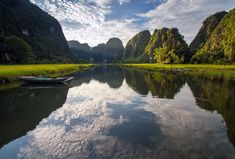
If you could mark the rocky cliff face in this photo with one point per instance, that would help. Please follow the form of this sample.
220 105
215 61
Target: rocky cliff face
113 50
34 26
77 45
206 30
97 53
220 46
167 46
134 51
80 51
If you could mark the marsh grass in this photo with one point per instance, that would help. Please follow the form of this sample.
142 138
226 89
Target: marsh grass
224 72
11 72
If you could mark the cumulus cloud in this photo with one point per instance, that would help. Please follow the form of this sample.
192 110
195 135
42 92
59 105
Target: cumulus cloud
91 21
86 20
186 15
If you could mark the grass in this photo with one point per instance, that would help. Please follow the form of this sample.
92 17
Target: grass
182 66
11 72
225 72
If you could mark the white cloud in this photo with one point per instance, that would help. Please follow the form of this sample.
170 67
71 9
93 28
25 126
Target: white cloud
186 15
86 22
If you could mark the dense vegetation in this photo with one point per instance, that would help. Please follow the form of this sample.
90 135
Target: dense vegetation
220 47
215 43
15 50
29 35
167 46
206 30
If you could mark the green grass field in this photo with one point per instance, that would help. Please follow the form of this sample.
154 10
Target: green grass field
11 72
182 66
225 72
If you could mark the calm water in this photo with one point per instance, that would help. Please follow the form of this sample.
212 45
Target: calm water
111 112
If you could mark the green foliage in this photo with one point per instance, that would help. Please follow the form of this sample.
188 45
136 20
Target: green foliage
164 56
206 30
167 46
220 47
15 50
19 51
215 56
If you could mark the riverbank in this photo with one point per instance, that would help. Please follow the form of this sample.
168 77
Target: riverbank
9 73
225 72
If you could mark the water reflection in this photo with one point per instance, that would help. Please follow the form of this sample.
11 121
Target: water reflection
216 95
135 79
139 127
110 112
22 108
112 75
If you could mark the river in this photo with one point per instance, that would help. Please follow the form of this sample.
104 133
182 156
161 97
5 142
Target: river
113 112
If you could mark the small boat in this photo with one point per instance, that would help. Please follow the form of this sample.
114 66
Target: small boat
44 80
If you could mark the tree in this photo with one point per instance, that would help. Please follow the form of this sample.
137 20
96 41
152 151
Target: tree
18 50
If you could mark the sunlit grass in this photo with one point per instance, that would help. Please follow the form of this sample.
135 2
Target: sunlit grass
11 72
181 66
226 72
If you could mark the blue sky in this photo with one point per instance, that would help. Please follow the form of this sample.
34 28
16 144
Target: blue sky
95 21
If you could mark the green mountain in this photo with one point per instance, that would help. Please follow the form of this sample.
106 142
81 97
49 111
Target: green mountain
220 47
134 51
167 46
27 31
206 30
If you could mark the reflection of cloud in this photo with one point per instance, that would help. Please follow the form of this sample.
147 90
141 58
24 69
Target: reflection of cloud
121 2
79 128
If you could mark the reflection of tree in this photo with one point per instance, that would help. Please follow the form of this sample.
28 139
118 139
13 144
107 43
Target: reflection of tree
22 109
164 85
216 95
159 84
135 79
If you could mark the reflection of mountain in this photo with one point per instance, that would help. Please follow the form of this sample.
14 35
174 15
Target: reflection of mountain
135 79
23 108
216 95
164 85
159 84
111 75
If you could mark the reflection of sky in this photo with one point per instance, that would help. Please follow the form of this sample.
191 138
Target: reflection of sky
96 120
